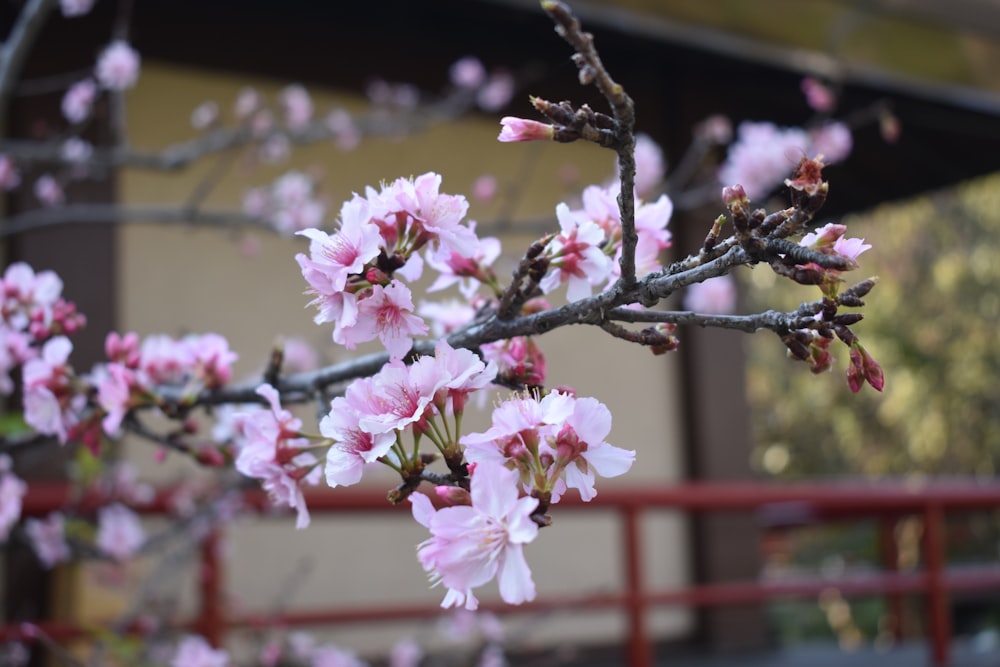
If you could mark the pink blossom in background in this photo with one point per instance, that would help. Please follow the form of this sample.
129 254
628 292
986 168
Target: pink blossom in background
49 405
114 391
497 92
471 545
819 96
72 8
406 653
832 141
405 96
275 149
255 202
79 100
10 178
716 129
329 655
76 149
28 296
522 129
293 205
762 156
299 355
204 115
213 360
297 105
484 189
716 296
15 349
194 651
48 539
163 360
119 532
48 191
117 66
346 133
446 317
12 490
247 102
467 72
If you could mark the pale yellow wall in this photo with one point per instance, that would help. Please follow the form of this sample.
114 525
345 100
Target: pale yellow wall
179 279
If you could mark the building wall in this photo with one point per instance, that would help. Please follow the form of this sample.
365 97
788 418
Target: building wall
177 279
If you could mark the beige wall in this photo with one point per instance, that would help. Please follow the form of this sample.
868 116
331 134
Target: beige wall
180 279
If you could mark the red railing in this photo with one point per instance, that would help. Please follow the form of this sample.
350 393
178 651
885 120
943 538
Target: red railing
801 503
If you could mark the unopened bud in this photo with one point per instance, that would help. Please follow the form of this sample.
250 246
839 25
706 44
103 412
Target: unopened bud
521 129
734 194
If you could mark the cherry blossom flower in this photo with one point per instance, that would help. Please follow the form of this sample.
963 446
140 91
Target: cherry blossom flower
48 191
12 490
204 115
353 447
576 256
484 188
469 270
472 544
406 653
50 406
194 651
522 129
119 532
298 106
819 97
832 141
714 296
72 8
10 178
271 450
79 100
497 92
15 350
519 360
48 539
386 314
762 156
333 258
117 66
438 215
247 102
467 72
114 392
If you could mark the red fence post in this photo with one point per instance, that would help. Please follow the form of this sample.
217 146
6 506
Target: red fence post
889 551
211 576
639 650
938 612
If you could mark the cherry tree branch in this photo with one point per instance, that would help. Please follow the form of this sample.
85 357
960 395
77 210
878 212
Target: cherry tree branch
15 49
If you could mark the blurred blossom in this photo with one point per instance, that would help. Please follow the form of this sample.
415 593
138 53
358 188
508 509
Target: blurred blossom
78 100
485 188
118 66
247 102
47 538
71 8
497 92
467 72
833 141
819 96
119 532
204 115
48 191
717 129
76 149
298 107
10 178
715 296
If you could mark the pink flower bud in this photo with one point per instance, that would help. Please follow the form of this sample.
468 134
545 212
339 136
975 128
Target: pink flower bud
520 129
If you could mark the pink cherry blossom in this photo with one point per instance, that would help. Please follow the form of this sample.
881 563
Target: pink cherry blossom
48 191
818 95
484 188
10 178
437 215
204 115
352 448
114 392
247 102
471 545
386 314
833 141
715 296
468 270
497 92
333 258
402 396
446 317
48 539
271 449
212 358
50 405
522 129
118 66
650 166
194 651
79 100
762 156
298 107
72 8
119 532
15 350
467 72
577 259
12 490
520 361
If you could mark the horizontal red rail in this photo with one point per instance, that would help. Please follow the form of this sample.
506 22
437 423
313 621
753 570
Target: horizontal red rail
781 504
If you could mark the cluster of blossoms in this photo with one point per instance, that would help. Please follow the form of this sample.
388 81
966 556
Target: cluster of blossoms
55 399
355 274
764 154
33 311
290 204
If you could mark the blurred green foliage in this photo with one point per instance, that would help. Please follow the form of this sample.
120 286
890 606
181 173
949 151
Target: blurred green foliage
933 322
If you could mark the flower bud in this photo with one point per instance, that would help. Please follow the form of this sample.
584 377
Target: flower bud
520 129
